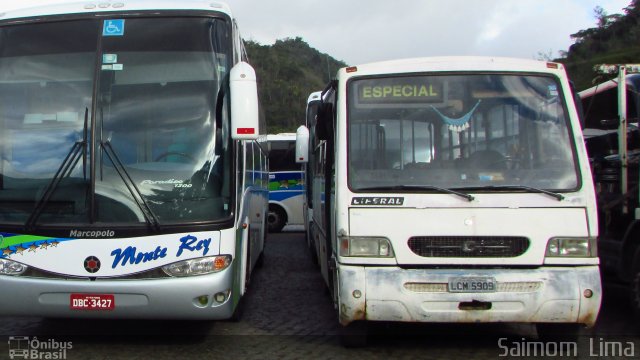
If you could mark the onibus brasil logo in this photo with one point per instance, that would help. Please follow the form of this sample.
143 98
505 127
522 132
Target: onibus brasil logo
24 347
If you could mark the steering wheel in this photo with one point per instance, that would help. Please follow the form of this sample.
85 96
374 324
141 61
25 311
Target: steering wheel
170 153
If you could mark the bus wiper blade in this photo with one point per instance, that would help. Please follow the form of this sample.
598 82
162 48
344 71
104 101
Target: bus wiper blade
149 216
559 197
66 167
419 187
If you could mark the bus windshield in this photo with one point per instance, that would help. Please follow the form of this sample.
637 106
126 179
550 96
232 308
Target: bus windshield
115 121
470 131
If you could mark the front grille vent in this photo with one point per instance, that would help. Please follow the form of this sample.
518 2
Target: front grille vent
469 246
156 273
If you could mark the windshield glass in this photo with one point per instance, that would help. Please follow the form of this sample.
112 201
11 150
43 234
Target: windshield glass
148 142
459 131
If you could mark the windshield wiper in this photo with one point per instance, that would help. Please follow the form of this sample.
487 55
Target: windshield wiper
64 170
559 197
148 214
418 187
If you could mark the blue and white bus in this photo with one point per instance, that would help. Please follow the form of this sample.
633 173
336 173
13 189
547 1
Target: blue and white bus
286 183
132 157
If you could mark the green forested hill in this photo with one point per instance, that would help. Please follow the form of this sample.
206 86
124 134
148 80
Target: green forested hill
616 40
288 71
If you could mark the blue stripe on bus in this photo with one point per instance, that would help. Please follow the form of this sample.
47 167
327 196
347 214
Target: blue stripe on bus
279 176
283 195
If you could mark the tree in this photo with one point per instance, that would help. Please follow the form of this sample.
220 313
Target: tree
288 71
615 39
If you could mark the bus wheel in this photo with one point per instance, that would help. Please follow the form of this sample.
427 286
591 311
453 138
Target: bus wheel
313 253
260 261
276 219
635 287
239 310
354 334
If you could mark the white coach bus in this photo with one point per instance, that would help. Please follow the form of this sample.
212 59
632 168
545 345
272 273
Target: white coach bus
132 162
454 189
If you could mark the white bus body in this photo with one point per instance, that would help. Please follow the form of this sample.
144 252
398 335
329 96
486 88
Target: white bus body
454 189
133 178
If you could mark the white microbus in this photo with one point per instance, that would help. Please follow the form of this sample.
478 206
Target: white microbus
286 183
132 161
454 189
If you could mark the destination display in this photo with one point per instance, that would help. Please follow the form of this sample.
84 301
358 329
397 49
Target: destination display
400 90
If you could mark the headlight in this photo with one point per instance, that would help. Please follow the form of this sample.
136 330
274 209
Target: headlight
366 247
571 247
10 267
199 266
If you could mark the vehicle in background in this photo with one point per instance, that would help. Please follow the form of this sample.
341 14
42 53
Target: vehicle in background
454 189
133 179
613 144
286 183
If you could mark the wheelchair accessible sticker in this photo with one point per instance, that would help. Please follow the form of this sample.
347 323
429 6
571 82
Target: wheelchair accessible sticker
113 27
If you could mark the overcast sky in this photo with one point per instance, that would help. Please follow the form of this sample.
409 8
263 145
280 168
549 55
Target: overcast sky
360 31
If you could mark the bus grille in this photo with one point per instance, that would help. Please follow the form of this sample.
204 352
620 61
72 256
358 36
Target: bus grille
468 246
156 273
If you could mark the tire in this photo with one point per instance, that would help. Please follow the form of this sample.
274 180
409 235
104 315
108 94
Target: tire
634 289
276 219
311 245
260 261
354 335
239 311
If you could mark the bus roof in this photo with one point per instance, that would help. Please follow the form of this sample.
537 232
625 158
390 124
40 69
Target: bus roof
452 63
93 7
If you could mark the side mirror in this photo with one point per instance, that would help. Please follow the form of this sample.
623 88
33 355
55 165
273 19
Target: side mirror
302 144
245 123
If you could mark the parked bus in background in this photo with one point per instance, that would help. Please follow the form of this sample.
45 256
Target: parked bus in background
613 142
132 172
286 183
454 189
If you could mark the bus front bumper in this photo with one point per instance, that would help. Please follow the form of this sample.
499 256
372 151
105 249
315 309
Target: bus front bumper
542 295
170 298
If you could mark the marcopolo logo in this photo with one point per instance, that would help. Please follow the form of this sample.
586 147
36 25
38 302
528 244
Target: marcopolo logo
24 347
91 233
